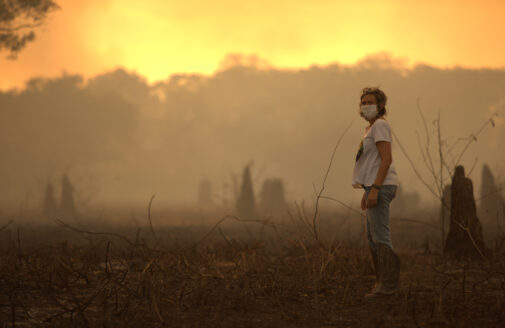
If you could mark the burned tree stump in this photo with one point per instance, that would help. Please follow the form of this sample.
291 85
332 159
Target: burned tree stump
465 231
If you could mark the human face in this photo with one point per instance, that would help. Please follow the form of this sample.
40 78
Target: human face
369 100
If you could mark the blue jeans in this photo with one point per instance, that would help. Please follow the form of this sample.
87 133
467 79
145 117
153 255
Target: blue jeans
377 218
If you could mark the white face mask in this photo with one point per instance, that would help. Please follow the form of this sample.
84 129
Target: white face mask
369 111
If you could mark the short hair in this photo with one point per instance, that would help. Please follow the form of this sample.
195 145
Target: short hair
380 97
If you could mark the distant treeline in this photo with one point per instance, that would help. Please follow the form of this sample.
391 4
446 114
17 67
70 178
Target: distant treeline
121 138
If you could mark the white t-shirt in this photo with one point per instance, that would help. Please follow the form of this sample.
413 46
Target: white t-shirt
368 159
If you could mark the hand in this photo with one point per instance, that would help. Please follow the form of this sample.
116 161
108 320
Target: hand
363 201
372 198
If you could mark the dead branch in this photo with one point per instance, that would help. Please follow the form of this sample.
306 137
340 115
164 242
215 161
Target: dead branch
393 219
467 230
314 218
473 137
431 167
149 217
265 223
6 225
414 166
111 234
500 188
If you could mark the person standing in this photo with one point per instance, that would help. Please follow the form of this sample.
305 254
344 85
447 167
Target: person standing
374 171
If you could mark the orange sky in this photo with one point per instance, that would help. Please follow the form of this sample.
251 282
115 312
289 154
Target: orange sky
157 37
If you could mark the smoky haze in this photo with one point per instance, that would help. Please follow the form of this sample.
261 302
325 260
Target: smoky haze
121 139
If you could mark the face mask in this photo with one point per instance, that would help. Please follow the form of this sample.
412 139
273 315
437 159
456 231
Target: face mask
369 111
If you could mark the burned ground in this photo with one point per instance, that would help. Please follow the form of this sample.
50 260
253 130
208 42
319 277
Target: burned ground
56 277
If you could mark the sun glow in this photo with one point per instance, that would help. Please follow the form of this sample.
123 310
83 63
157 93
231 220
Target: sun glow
159 38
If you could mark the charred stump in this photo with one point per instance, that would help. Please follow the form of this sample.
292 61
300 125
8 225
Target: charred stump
465 231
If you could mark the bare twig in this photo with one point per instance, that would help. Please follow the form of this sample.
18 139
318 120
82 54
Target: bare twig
393 219
473 137
344 204
425 159
216 226
473 166
314 218
467 230
497 190
302 217
431 167
441 182
149 217
111 234
6 225
414 166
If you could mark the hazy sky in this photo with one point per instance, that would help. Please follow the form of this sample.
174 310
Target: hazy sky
158 38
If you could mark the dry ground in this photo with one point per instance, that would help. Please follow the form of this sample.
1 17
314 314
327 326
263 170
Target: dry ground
91 280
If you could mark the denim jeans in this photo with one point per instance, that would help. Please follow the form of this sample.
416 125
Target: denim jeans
377 218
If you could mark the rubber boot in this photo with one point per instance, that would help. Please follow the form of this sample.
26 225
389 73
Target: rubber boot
388 263
375 262
389 266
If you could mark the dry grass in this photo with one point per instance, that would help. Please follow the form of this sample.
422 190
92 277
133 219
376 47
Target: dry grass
272 279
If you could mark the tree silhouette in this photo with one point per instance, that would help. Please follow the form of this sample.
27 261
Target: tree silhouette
110 124
246 204
18 21
491 206
67 205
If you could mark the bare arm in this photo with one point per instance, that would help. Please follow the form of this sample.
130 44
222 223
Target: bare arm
384 148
